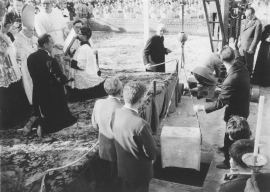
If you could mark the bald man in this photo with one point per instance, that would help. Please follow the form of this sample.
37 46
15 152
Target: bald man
154 51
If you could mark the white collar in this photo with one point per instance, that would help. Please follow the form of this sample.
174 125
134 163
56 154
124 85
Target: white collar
112 97
48 52
131 109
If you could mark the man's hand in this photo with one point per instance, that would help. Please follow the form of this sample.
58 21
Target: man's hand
67 58
66 32
198 108
239 44
95 52
234 44
148 66
251 51
60 47
251 186
169 51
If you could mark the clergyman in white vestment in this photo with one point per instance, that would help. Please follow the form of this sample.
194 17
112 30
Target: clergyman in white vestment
51 20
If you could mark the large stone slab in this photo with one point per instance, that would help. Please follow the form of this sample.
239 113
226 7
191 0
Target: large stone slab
181 147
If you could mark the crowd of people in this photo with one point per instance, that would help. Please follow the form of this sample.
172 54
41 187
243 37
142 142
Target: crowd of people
24 34
40 57
167 9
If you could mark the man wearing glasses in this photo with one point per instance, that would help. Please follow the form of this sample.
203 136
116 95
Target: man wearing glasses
50 20
77 25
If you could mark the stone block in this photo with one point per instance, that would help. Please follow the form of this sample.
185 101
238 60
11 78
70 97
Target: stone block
181 147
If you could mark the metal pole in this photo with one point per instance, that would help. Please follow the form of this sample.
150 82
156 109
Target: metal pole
183 16
155 88
146 20
208 25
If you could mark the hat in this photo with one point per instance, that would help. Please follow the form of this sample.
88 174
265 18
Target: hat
28 16
112 85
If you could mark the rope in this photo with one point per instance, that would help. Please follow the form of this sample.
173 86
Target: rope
163 63
74 162
183 66
58 168
161 81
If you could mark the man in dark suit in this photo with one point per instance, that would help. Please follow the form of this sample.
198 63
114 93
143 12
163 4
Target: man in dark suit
71 9
135 146
101 115
49 99
237 150
234 94
154 51
249 38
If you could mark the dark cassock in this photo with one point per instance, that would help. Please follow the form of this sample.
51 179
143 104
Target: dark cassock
49 99
261 74
154 53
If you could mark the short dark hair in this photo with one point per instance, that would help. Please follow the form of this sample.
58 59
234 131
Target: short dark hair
238 128
133 92
78 21
227 54
251 9
87 32
43 39
239 148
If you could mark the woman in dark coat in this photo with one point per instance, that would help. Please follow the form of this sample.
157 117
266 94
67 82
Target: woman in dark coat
262 68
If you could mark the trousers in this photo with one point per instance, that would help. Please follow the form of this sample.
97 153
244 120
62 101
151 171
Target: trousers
249 61
206 85
127 186
227 144
107 177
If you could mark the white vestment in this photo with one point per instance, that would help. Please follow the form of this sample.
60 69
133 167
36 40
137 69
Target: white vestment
77 44
9 69
24 47
52 23
86 77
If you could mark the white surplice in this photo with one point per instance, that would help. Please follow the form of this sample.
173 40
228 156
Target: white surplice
52 23
24 47
86 77
9 68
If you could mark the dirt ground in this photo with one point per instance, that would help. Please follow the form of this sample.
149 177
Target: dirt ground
124 51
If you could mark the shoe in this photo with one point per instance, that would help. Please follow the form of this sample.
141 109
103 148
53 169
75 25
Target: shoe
222 166
209 100
28 127
199 97
39 131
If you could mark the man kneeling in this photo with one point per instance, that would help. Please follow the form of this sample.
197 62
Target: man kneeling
85 69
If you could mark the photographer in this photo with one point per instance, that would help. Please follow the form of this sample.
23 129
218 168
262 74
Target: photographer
71 9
